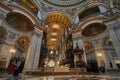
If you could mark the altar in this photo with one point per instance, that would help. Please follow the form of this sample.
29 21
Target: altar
61 69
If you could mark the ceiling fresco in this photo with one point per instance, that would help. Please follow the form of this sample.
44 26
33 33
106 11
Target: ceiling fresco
93 29
19 21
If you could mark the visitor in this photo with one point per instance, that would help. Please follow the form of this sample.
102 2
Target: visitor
16 72
11 69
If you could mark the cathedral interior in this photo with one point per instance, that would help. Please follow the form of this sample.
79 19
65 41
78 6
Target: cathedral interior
60 35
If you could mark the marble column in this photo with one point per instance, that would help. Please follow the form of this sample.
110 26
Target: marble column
37 50
115 41
33 53
101 55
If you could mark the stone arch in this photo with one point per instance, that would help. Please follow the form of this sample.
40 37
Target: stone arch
23 11
35 21
56 24
83 24
22 44
59 12
83 9
19 21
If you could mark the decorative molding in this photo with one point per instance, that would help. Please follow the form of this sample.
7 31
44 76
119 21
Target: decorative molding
11 35
65 4
5 7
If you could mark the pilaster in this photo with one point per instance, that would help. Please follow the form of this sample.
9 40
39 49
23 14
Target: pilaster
33 53
115 40
37 50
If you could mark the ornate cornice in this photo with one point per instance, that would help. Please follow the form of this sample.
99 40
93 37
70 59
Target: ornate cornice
23 10
64 4
5 7
115 17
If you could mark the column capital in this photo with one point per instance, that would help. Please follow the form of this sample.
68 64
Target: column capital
37 32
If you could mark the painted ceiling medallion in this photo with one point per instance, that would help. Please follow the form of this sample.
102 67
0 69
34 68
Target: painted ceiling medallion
93 29
65 3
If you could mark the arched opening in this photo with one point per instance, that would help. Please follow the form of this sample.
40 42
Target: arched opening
88 12
19 22
92 10
21 51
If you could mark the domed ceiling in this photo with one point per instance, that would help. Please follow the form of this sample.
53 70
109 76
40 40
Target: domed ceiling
19 21
93 29
65 3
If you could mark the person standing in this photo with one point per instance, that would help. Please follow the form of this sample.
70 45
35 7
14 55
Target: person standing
16 73
11 69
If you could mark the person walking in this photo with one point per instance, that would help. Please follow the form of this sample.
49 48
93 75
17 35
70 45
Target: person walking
11 69
17 70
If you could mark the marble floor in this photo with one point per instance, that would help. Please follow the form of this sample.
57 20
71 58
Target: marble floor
103 76
75 77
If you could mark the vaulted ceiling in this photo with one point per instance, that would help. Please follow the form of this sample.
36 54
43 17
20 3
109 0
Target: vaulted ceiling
56 23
